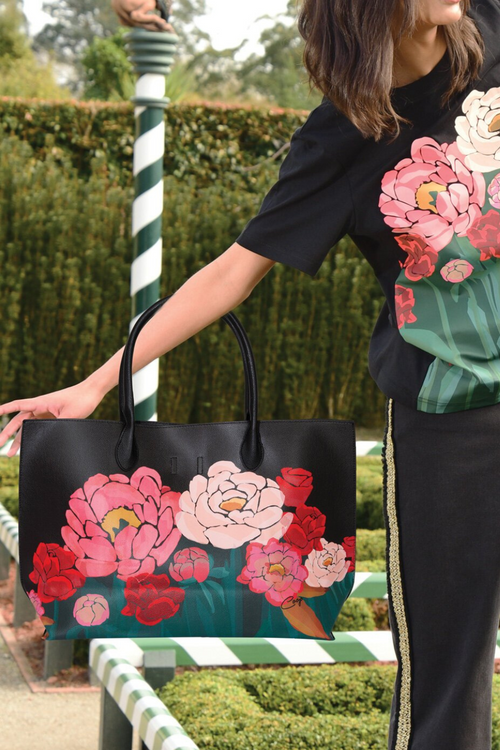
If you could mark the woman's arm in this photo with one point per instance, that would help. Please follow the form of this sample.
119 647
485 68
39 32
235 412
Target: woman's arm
206 296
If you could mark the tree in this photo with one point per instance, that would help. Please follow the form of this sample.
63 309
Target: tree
109 74
278 73
79 22
21 74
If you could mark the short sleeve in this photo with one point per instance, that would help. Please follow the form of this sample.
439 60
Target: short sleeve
309 208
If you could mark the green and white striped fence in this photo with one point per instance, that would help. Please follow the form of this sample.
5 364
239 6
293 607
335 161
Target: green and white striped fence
128 702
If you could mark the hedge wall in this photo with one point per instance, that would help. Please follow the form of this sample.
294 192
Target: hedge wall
333 707
65 254
208 141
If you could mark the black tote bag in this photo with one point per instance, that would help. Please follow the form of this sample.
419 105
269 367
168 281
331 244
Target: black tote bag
140 528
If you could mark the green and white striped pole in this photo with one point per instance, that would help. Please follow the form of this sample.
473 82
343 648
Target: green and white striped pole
152 55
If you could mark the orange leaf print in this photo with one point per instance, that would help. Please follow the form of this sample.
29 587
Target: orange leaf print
302 618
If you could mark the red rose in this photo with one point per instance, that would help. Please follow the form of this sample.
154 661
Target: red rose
190 563
484 234
151 598
421 258
54 573
296 485
306 529
405 302
349 544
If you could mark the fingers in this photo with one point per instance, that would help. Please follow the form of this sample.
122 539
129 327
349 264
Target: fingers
148 21
15 445
11 428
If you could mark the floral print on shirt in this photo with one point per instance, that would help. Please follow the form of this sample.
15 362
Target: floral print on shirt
443 204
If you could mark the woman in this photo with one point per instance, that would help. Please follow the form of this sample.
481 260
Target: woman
403 154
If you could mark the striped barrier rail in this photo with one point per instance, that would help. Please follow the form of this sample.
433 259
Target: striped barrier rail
57 654
128 700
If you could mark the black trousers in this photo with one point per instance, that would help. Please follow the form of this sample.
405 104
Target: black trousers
442 516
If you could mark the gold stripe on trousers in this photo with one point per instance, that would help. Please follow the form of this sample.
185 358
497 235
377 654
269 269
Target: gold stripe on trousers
396 586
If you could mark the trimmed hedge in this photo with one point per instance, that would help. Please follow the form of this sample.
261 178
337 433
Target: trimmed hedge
337 707
65 254
209 141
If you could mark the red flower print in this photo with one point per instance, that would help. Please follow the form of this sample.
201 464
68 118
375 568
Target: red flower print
421 257
405 302
484 234
296 485
54 574
190 563
151 598
274 569
306 529
349 544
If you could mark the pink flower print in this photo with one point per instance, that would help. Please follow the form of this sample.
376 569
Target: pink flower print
190 563
326 566
121 525
432 194
92 609
36 602
232 507
478 136
421 257
275 570
485 235
494 191
456 270
405 302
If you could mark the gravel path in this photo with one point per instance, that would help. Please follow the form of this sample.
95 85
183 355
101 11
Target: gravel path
56 720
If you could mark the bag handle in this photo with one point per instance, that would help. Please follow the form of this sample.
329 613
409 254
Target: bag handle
126 451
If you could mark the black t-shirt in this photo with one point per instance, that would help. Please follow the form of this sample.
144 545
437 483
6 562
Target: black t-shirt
424 211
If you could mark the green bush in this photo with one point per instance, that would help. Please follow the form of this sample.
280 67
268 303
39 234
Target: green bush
356 614
370 544
369 509
302 707
65 254
335 707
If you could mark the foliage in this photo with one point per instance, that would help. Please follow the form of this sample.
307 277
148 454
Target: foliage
213 143
21 74
109 75
80 24
369 512
335 707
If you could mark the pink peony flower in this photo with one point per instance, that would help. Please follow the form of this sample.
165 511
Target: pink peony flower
92 609
36 602
456 270
326 566
232 507
121 525
494 191
432 194
275 570
190 563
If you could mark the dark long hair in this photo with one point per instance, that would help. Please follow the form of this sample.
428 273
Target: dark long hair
349 56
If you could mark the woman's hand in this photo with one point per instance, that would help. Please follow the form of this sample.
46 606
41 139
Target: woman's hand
75 402
138 13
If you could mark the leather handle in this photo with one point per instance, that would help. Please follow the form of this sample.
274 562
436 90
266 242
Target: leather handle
126 451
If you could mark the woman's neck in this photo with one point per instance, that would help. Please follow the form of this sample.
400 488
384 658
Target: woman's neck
418 55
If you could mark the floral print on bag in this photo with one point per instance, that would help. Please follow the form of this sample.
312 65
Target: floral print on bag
268 540
443 205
